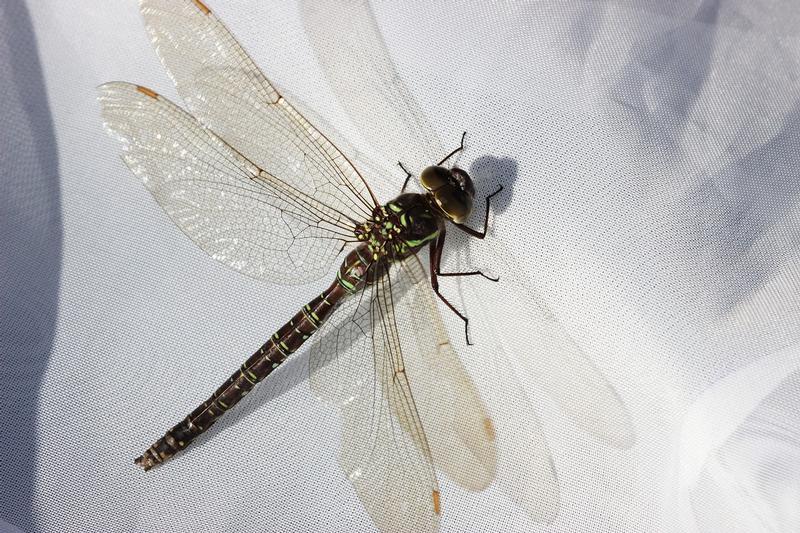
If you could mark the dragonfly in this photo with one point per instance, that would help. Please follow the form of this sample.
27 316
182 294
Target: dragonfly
255 185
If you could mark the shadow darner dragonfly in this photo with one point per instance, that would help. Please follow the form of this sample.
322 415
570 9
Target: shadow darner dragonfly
260 189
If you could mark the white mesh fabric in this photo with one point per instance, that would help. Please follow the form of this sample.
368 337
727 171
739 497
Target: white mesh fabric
650 156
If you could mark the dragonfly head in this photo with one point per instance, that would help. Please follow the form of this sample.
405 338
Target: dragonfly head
451 189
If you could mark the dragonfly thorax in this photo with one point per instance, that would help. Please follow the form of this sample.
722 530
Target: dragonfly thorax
400 228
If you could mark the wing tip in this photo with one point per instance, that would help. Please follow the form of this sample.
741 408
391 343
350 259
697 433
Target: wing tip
109 86
147 92
437 507
488 428
202 7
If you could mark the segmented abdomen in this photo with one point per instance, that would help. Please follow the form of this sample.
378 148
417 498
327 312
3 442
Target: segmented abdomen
288 339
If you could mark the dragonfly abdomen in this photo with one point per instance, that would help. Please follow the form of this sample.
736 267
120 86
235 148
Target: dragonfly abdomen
288 339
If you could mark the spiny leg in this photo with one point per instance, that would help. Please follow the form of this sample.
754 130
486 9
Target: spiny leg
454 152
435 257
448 156
439 248
408 177
436 270
436 260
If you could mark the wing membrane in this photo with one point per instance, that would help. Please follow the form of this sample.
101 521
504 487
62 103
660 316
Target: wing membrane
546 355
357 365
236 212
224 89
461 432
475 445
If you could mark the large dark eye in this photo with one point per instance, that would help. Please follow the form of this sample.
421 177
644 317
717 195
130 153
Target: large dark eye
433 178
452 189
464 181
456 203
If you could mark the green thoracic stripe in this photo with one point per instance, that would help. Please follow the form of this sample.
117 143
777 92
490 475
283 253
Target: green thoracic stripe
419 242
394 207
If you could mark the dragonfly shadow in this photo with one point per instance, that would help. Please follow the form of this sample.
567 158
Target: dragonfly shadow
31 240
488 173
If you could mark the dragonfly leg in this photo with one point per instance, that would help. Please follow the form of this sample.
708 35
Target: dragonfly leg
438 265
435 285
475 233
454 152
408 177
473 273
436 259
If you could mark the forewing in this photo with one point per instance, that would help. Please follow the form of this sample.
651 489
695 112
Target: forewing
224 89
357 365
239 214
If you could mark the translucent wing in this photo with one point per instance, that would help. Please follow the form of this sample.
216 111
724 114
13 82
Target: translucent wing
359 69
235 211
460 430
225 91
357 365
544 353
474 445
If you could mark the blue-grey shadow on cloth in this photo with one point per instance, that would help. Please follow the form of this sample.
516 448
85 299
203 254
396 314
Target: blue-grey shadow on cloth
736 206
664 77
732 207
30 262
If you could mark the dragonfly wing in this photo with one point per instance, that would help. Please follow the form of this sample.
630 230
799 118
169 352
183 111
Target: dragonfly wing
547 357
236 212
357 365
572 380
475 445
225 90
461 432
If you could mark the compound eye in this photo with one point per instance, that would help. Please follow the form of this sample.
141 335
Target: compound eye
464 181
456 203
433 178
